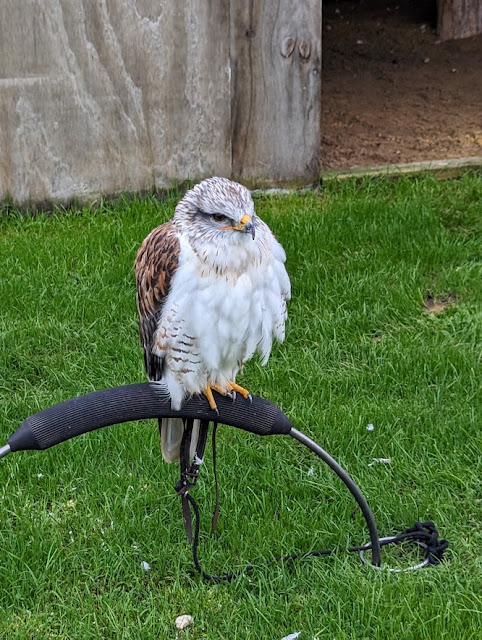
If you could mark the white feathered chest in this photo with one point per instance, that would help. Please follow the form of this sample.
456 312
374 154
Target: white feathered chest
221 308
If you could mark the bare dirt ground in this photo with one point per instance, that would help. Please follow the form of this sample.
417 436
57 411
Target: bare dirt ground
392 93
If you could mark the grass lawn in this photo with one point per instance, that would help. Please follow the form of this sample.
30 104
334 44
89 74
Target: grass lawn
384 329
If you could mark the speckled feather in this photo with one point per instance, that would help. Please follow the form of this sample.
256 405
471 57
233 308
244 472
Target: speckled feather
156 263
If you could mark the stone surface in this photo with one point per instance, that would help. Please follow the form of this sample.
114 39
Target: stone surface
183 621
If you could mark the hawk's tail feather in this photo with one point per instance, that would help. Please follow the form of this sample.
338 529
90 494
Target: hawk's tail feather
172 430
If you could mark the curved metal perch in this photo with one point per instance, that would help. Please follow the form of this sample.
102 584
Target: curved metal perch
142 401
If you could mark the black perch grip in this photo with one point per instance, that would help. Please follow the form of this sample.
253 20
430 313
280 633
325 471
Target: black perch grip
138 402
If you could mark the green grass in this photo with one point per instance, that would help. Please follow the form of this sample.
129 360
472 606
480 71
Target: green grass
77 520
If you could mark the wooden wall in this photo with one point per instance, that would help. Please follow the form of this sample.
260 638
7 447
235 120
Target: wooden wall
276 67
459 18
102 96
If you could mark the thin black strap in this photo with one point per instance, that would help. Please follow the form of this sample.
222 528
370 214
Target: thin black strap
184 481
427 533
190 470
216 485
201 443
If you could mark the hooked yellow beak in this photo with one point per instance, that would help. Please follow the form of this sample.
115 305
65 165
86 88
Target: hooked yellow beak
246 219
245 225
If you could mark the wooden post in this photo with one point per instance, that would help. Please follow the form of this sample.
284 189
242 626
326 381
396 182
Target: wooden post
276 90
459 18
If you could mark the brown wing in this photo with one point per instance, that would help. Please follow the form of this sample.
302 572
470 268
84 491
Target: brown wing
157 261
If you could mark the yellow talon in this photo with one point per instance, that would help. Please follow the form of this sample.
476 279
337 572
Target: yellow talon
209 396
232 386
219 389
231 390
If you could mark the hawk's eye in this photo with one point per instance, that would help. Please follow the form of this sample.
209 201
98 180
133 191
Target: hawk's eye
218 217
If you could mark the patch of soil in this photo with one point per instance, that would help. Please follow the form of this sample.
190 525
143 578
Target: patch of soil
391 92
438 305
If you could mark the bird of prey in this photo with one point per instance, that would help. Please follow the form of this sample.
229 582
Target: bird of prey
211 291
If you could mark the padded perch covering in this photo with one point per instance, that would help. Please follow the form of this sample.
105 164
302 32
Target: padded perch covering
137 402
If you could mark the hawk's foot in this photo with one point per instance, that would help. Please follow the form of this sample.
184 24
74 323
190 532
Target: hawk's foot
223 391
229 391
208 392
235 388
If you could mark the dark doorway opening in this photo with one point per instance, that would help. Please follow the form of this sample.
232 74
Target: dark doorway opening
392 93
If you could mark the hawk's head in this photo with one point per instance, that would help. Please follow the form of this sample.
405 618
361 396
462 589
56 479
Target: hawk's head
218 210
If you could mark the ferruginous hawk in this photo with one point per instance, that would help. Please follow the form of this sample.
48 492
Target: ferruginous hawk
211 291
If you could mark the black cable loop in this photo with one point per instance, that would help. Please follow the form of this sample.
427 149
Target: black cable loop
422 533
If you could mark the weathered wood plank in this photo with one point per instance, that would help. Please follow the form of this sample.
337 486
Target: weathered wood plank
443 168
459 18
101 96
276 90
